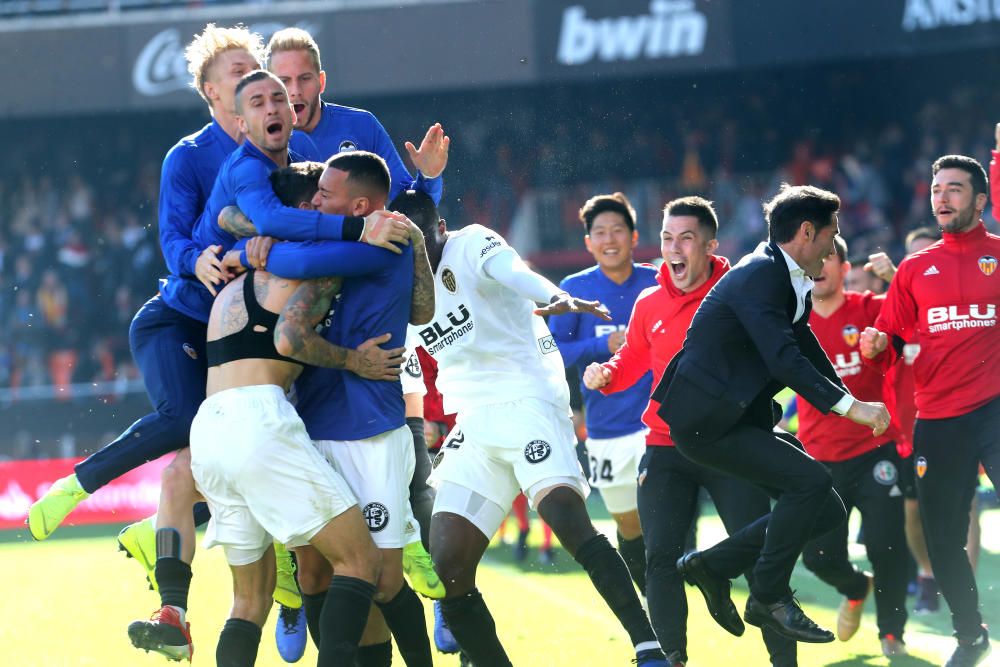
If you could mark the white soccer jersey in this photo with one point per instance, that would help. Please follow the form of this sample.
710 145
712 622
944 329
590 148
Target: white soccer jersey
489 345
412 376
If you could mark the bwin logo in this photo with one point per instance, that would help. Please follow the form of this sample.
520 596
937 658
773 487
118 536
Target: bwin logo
672 28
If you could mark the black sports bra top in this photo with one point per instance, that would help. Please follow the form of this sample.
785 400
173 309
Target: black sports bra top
248 342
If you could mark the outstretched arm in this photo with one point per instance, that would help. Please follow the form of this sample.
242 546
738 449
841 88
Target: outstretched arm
295 336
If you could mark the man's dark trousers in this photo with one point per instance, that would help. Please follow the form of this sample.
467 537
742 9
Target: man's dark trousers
806 507
668 497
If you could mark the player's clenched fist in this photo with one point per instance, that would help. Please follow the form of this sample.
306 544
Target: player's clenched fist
596 376
872 342
881 266
874 415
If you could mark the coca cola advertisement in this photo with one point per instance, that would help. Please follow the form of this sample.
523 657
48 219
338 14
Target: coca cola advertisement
131 497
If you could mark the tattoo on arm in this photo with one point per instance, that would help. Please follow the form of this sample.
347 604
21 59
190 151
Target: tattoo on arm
234 314
295 334
232 220
422 301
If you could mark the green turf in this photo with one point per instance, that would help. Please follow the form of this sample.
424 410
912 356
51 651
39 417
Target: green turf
67 602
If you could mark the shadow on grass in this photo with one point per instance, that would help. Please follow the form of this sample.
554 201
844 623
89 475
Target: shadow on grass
505 554
902 661
21 535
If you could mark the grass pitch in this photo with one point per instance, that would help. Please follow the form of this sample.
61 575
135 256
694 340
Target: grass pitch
67 601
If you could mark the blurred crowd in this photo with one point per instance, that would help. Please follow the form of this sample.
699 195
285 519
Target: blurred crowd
78 240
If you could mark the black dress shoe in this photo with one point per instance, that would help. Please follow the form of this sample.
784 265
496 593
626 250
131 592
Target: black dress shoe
714 589
787 619
970 653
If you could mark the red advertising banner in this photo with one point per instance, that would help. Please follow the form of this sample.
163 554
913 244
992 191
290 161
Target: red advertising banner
131 497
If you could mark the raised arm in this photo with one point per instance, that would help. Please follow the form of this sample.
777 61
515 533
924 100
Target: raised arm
430 160
995 176
295 336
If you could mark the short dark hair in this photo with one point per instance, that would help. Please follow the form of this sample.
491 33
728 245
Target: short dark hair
795 204
364 169
971 166
418 207
928 232
840 248
617 203
698 207
252 77
297 182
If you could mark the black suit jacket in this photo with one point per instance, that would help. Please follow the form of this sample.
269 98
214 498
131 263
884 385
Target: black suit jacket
740 350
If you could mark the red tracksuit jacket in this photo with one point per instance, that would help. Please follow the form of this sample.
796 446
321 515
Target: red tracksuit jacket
656 330
947 295
831 437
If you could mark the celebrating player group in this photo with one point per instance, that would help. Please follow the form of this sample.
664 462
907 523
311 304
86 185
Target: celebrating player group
306 267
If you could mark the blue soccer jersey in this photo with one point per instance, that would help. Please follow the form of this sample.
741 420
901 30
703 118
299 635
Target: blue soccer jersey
583 339
343 128
374 299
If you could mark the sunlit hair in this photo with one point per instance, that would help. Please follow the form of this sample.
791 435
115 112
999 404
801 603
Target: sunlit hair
697 207
293 39
213 41
616 203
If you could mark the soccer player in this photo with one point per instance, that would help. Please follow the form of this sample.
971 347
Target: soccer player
616 436
221 226
669 484
293 55
749 338
167 335
365 438
297 185
167 341
947 295
265 480
905 414
500 371
265 118
865 469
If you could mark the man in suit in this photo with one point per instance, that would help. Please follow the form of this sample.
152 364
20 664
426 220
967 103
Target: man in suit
749 339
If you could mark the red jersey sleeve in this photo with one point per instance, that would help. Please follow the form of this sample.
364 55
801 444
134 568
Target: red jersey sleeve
898 317
873 305
631 361
995 184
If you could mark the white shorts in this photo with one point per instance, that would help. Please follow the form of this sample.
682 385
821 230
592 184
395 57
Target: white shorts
614 469
378 470
498 450
260 474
